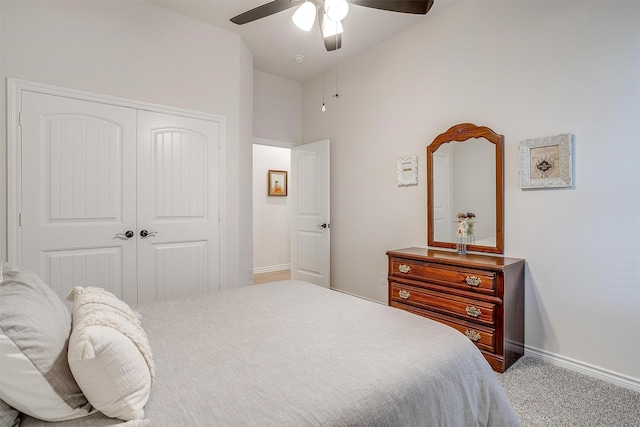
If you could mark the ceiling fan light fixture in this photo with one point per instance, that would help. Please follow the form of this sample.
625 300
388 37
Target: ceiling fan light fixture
330 29
305 16
336 10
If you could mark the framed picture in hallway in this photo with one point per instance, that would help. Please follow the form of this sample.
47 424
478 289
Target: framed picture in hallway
277 183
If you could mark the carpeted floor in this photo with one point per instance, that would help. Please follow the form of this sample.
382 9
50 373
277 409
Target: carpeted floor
547 395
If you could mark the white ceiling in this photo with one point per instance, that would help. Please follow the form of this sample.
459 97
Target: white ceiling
275 40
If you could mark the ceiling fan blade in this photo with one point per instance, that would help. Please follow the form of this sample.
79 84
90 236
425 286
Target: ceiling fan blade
265 10
419 7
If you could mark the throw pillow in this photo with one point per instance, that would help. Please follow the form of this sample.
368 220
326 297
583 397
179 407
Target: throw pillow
34 332
109 354
9 417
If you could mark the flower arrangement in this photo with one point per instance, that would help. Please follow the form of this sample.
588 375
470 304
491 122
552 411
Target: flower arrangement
466 231
465 224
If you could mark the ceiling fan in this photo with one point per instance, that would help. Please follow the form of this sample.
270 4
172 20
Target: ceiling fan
330 14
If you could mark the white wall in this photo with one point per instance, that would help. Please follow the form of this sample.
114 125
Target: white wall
271 214
136 50
526 69
277 108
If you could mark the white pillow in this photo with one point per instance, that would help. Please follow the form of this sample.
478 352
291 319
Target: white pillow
34 329
109 354
9 417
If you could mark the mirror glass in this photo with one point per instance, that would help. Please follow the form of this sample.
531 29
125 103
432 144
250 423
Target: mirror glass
464 178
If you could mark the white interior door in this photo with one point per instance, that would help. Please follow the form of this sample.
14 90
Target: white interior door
78 193
442 219
310 219
178 186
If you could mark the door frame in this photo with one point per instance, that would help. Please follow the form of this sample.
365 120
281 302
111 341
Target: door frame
15 87
291 147
269 143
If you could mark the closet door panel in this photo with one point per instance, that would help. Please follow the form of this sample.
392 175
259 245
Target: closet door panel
181 269
101 267
178 246
78 193
179 160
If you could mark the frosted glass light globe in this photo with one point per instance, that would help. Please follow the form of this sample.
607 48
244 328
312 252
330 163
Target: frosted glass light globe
305 16
336 10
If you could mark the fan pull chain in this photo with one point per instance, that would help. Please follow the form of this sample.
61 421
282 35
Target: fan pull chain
323 106
337 95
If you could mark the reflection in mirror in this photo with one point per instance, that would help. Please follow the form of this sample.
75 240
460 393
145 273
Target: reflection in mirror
464 184
464 176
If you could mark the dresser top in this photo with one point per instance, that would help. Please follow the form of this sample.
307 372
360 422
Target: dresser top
452 257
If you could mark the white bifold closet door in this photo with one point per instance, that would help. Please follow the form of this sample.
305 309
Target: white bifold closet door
177 205
119 198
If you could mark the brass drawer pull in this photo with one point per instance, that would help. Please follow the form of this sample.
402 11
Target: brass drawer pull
404 294
473 311
473 280
472 335
404 268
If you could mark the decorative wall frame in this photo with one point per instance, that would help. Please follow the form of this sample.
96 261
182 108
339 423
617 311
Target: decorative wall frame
277 183
546 162
407 169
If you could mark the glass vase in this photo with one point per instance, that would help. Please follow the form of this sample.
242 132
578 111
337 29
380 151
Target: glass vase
461 246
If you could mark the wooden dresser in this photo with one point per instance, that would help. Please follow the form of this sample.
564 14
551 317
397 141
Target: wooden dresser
482 296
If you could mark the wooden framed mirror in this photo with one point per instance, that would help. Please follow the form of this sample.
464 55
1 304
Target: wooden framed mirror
465 175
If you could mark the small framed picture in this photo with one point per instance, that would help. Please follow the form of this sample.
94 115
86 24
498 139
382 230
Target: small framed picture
407 170
277 183
546 162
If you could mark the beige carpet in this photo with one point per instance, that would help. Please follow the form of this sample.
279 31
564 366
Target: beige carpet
546 395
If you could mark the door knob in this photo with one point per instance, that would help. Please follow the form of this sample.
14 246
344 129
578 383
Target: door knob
324 225
124 236
144 234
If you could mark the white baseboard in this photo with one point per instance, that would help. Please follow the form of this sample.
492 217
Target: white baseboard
357 296
584 368
271 268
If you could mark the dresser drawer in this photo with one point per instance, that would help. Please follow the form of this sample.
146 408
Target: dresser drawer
464 278
465 308
483 337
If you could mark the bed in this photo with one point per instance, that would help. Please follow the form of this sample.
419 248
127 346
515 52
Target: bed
294 354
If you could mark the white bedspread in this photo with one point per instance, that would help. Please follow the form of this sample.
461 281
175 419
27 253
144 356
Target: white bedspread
294 354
